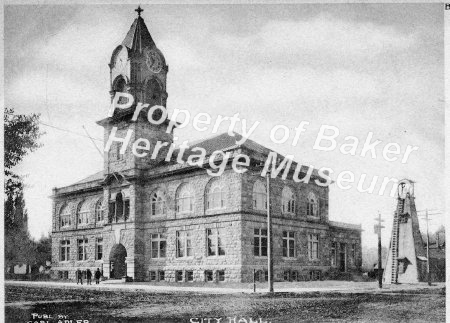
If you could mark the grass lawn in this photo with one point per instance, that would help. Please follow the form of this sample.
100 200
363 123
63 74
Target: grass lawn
131 306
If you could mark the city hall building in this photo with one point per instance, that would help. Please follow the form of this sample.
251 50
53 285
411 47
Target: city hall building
159 219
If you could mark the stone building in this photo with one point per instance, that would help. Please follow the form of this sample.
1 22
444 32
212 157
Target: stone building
160 219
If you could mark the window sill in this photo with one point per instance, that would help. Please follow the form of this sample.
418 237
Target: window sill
158 215
259 210
217 208
184 213
290 258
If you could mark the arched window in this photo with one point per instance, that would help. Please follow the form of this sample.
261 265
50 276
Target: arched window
83 213
185 199
158 203
99 214
259 196
288 200
119 206
215 195
153 92
64 216
311 206
120 85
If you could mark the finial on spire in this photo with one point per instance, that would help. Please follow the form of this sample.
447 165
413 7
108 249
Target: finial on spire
139 10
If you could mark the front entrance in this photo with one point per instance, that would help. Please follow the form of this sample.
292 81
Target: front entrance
342 257
117 265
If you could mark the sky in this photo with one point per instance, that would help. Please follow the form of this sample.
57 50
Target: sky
362 68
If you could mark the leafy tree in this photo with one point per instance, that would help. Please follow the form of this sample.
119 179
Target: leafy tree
43 250
21 135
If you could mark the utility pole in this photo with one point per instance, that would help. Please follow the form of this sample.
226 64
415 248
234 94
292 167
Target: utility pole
428 250
377 230
269 238
427 214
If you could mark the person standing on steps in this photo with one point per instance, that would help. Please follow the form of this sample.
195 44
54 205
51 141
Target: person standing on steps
79 275
97 276
89 277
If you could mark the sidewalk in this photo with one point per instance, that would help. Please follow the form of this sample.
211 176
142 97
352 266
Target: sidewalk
284 287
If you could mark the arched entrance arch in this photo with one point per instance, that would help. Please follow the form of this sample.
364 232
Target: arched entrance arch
117 265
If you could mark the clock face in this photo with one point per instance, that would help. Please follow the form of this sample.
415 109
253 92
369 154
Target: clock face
153 61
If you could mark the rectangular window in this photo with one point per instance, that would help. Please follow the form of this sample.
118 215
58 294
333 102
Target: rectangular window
286 275
189 276
343 256
221 275
82 249
152 276
99 249
65 250
65 220
83 217
294 275
353 252
314 275
260 242
158 246
209 276
63 274
184 243
99 211
313 246
288 244
215 242
161 275
179 276
333 254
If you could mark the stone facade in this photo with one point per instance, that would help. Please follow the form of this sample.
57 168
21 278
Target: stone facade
158 219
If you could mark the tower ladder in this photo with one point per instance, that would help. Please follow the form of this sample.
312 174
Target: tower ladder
394 242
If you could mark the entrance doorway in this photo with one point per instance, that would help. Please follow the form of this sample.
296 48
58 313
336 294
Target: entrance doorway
342 257
117 265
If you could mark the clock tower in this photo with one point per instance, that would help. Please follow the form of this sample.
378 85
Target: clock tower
138 68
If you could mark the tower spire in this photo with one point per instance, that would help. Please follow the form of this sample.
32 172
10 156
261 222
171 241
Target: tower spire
139 10
138 37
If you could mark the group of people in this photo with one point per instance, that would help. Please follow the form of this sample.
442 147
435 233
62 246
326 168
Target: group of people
97 276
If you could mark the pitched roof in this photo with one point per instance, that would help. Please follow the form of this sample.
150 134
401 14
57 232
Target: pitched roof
221 142
94 177
138 37
224 142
